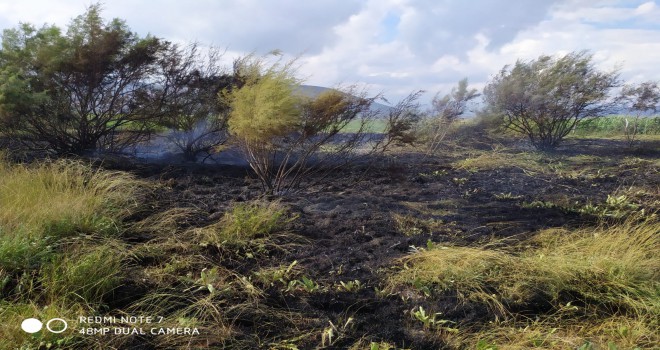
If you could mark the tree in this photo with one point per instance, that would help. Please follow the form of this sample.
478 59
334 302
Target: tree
545 98
99 86
197 119
638 99
452 106
446 110
286 137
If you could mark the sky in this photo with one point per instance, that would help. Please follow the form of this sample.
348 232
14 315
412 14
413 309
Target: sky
392 47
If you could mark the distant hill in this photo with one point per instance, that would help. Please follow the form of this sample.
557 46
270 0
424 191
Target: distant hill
312 91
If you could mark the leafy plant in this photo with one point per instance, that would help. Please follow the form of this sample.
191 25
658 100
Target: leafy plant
350 286
332 333
545 98
430 320
208 278
507 196
283 274
308 284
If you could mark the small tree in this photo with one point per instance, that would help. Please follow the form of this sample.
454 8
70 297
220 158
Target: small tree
545 98
286 137
196 118
446 110
263 112
75 92
638 99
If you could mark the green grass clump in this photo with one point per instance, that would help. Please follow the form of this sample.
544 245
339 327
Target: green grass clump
57 255
56 197
609 271
86 276
13 337
43 203
244 222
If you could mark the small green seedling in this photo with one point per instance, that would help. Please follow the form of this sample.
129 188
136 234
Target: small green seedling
350 286
431 320
308 284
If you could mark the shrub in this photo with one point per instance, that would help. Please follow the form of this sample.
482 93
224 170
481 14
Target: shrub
445 112
73 93
286 137
545 98
197 119
639 99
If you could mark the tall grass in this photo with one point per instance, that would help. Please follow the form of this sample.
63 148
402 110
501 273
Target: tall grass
43 203
609 271
57 255
54 197
85 276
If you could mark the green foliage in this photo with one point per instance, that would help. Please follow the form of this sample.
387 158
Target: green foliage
284 275
545 98
245 222
72 92
308 284
430 320
350 286
86 276
264 107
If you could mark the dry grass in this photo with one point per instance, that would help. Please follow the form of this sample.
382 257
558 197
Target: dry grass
612 272
498 158
61 198
554 332
57 254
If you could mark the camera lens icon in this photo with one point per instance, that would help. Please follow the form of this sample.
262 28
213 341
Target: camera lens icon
57 320
54 325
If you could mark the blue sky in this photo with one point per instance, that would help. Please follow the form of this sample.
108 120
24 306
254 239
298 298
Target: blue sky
391 46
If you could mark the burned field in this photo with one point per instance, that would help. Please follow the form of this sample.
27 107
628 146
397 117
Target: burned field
325 266
154 195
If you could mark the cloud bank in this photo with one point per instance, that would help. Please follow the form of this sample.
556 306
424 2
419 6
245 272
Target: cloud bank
391 46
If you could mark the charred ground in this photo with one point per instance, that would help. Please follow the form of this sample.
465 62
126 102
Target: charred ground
354 227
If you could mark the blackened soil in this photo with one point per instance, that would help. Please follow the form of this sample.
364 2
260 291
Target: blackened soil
349 229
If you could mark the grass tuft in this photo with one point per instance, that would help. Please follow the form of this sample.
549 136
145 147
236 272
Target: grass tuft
245 222
609 271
